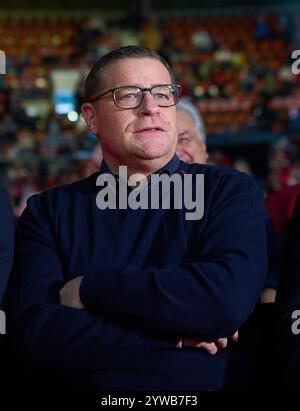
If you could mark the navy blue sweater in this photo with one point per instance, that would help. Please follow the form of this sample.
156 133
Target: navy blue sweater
149 276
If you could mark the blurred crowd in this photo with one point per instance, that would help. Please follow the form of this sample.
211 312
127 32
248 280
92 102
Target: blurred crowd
236 68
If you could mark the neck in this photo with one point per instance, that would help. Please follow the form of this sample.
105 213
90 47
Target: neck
141 169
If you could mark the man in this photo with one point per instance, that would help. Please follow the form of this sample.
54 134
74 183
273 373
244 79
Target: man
191 144
109 298
6 240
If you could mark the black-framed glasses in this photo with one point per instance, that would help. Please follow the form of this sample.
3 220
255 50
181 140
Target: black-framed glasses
165 95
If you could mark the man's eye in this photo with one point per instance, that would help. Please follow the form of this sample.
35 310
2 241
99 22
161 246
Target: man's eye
183 140
161 96
129 96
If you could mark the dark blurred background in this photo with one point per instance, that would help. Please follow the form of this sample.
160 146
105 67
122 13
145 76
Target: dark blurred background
234 60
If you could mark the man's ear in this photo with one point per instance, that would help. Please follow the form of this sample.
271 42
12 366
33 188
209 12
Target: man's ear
90 116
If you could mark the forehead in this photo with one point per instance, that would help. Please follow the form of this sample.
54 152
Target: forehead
143 72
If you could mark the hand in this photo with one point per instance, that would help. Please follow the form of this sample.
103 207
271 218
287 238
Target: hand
268 296
210 347
69 294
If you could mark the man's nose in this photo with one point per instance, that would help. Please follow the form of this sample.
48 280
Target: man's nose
149 106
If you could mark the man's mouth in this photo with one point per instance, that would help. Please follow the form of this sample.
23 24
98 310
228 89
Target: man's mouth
150 129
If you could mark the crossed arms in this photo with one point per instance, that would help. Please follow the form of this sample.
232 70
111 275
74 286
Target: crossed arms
129 310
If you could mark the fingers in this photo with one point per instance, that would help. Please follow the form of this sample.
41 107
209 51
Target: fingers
222 343
179 341
209 347
235 337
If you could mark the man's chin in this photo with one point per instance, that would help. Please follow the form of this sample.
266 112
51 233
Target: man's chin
150 157
153 154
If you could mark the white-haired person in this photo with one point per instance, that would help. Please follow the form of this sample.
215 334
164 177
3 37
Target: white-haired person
191 145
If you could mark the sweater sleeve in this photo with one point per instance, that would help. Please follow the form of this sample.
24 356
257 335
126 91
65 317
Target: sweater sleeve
51 336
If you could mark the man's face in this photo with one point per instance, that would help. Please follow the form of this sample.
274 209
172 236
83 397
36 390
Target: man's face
134 136
190 147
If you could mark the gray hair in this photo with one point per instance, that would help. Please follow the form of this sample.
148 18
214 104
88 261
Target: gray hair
186 105
93 82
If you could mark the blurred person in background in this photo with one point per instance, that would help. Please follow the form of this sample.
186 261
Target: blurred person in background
191 144
281 204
